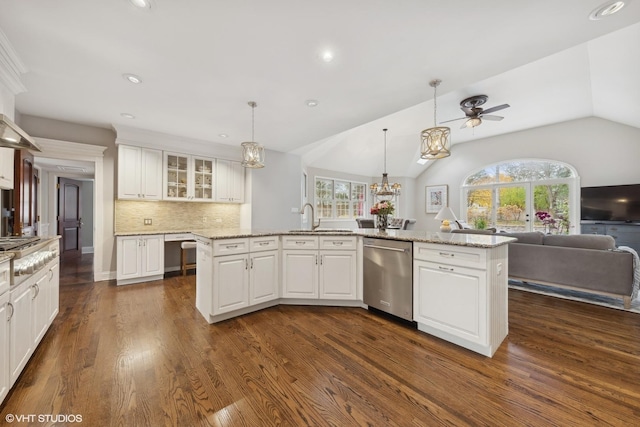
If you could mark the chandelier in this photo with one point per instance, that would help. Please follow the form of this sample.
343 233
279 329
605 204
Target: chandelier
436 141
385 191
252 152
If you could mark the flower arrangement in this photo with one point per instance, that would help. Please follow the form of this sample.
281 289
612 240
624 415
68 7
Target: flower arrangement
382 208
546 219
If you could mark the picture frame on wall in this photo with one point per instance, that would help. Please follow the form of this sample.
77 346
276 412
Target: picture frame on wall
435 198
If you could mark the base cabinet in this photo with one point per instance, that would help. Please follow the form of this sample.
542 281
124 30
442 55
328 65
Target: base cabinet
319 267
140 258
460 294
235 275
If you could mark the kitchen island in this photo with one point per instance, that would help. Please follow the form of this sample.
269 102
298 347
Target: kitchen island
459 280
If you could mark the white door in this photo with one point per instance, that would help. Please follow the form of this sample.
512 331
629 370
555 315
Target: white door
152 255
5 380
237 182
223 180
129 172
40 309
338 275
151 174
263 284
230 283
300 274
54 290
21 344
177 179
451 299
129 260
203 170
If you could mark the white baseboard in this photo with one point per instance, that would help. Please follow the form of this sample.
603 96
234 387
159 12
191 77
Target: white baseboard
105 275
87 249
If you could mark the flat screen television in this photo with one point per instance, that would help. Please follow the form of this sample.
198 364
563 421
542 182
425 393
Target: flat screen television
610 203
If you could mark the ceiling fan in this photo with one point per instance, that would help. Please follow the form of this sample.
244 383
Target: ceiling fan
474 114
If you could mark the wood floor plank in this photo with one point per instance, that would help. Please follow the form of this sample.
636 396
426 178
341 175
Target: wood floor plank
142 355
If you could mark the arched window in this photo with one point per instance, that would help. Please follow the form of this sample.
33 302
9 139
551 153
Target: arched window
523 195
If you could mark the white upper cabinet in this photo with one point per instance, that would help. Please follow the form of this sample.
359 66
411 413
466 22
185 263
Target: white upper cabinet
139 173
6 168
229 181
188 178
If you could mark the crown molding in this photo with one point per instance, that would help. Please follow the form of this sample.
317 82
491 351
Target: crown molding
58 149
11 67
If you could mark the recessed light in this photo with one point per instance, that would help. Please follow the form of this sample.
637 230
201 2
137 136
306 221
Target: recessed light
312 103
223 135
327 56
142 4
132 78
607 9
128 116
422 161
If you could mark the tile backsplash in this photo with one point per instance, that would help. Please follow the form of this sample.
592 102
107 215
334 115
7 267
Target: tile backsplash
130 216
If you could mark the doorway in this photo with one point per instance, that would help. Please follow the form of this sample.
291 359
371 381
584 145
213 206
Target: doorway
69 218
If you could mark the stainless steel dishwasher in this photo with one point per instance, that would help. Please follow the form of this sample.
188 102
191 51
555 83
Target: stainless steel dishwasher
388 276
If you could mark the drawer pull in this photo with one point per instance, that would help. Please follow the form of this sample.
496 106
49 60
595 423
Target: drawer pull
300 242
446 254
337 243
263 243
232 246
445 268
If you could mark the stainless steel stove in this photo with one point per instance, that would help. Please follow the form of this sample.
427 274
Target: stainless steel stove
30 255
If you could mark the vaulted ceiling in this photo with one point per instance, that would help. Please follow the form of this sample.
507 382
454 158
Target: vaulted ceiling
202 61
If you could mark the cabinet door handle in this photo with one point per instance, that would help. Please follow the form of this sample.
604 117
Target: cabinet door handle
321 257
246 264
447 254
316 259
11 313
445 268
252 263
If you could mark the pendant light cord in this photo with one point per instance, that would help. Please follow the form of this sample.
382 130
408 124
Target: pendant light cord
385 150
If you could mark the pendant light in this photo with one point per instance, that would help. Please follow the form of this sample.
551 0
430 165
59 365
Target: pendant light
252 152
436 141
385 191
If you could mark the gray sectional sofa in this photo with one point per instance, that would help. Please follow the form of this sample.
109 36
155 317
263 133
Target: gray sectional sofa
586 262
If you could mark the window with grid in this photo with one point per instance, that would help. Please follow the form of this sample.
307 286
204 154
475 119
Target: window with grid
340 199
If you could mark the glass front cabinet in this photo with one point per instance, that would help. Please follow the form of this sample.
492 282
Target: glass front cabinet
188 178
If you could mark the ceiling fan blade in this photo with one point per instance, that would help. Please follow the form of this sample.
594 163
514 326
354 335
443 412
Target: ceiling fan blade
453 120
494 109
494 118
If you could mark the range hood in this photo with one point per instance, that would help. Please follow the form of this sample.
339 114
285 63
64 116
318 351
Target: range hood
13 137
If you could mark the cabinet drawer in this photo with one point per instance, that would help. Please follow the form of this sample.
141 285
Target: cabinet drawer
450 254
230 247
299 242
592 229
178 237
624 229
264 243
338 242
5 276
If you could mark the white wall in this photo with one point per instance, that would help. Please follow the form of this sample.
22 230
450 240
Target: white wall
275 190
603 153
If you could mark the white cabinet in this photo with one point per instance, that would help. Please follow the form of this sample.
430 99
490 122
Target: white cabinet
460 294
6 168
236 274
188 178
41 297
140 258
54 289
229 181
5 378
20 328
139 173
319 267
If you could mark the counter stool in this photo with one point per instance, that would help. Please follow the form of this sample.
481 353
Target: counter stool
184 247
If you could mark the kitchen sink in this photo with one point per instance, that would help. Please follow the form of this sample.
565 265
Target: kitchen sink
323 230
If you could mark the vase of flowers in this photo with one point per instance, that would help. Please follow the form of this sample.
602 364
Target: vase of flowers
382 210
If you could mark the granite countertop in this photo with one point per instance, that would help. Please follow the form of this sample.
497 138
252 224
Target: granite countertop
458 239
5 257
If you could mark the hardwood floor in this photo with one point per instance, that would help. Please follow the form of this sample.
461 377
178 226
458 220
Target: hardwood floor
141 355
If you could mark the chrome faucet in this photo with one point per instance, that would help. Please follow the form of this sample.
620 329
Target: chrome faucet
313 220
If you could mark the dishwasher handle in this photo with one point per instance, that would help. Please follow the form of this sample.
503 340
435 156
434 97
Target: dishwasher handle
385 248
